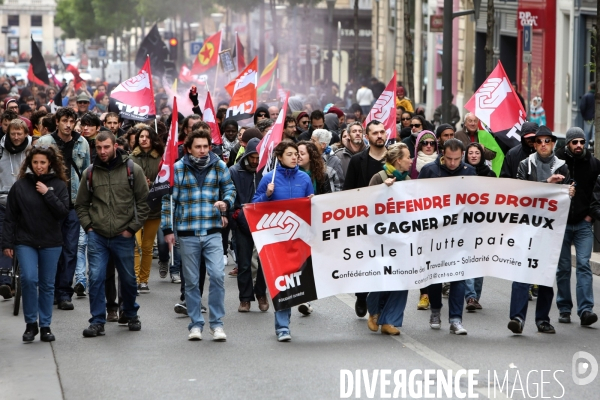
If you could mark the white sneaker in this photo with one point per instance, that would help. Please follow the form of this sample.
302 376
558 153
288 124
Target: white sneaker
305 309
225 260
218 334
195 334
175 278
232 254
457 328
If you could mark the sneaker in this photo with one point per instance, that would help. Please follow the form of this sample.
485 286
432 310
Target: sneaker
134 324
372 322
195 334
588 318
155 253
545 327
218 334
203 310
360 307
181 308
387 329
445 290
530 295
471 304
112 316
284 337
163 269
423 302
65 305
263 304
6 292
144 288
565 318
94 330
232 254
233 273
244 306
225 260
123 320
46 335
79 289
535 290
435 321
457 328
516 326
305 309
175 278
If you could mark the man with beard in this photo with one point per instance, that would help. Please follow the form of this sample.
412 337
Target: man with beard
519 152
583 169
356 144
246 178
361 169
289 129
12 154
443 133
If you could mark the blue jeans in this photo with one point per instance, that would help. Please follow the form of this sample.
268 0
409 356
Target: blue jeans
209 247
282 320
389 305
80 270
473 288
456 299
582 237
121 249
38 270
68 259
589 129
519 300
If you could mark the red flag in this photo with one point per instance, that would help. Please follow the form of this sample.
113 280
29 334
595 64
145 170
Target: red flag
272 139
239 53
37 73
73 70
32 77
497 105
135 96
384 109
208 56
165 179
208 116
243 100
185 74
229 87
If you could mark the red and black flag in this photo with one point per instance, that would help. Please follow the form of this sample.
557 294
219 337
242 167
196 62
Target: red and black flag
77 79
37 73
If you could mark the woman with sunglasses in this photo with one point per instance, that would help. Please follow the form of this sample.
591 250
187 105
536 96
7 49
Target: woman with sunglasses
35 207
417 124
404 127
426 152
147 153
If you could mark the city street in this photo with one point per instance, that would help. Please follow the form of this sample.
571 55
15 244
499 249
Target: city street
159 361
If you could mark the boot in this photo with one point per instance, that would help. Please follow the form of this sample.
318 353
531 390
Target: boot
46 335
30 331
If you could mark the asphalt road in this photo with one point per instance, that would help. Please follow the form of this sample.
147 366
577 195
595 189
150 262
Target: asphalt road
160 363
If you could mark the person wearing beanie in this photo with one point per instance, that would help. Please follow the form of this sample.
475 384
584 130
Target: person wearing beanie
540 166
25 110
340 114
302 120
520 152
444 132
584 169
260 114
246 137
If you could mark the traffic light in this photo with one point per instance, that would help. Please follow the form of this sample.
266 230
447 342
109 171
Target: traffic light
173 46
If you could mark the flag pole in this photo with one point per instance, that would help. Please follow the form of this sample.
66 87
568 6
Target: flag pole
274 171
173 229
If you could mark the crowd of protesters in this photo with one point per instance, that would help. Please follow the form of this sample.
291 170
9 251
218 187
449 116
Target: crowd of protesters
68 164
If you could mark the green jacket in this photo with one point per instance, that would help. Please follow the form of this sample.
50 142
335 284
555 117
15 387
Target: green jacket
109 209
149 163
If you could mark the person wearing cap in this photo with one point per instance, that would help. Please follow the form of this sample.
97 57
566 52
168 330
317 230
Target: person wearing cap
11 104
541 166
584 169
246 178
520 152
340 114
83 104
444 132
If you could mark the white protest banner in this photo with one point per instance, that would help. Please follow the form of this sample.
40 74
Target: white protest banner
410 235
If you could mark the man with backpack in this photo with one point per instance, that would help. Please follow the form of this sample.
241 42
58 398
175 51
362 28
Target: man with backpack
111 205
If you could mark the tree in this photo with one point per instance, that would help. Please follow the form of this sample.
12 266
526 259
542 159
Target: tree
78 20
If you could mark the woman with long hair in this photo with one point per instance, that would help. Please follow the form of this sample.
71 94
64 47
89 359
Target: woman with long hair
35 207
147 153
311 162
289 183
386 309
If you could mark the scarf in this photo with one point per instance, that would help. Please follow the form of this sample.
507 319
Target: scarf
227 145
327 150
199 162
12 149
423 159
544 167
391 170
314 182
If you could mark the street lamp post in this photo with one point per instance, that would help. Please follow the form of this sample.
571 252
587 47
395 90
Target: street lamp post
329 65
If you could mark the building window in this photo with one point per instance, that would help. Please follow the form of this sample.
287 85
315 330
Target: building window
36 20
13 20
392 14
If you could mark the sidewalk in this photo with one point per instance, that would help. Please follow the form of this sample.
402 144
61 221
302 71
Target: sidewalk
594 261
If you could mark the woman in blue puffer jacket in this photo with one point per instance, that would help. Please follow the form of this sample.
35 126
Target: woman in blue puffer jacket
290 183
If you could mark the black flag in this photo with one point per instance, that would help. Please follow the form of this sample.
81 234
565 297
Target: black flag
37 73
155 47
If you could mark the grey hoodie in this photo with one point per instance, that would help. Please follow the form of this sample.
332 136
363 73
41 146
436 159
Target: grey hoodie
10 164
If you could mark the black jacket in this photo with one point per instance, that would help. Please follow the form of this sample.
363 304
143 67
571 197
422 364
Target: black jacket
438 169
510 165
356 174
584 171
245 183
33 219
587 106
